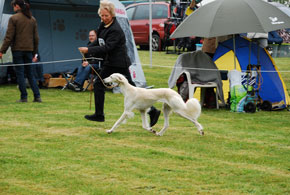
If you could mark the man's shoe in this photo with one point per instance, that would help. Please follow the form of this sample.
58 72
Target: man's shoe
93 117
74 87
37 100
154 116
22 100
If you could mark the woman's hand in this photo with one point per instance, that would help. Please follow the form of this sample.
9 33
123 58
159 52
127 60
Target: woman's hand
85 63
34 59
83 49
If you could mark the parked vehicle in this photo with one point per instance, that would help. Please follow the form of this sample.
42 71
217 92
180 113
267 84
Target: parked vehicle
128 2
138 15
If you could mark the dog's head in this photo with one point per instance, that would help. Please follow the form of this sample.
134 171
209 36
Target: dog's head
116 78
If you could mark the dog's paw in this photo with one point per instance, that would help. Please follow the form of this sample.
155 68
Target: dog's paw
158 134
201 132
109 131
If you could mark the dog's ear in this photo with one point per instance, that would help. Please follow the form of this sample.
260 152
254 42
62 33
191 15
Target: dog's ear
119 78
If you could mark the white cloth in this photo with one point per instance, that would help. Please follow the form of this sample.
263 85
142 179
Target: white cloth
253 35
235 78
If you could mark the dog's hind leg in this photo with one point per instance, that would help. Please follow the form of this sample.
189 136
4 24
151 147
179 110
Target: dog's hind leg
119 121
166 112
197 124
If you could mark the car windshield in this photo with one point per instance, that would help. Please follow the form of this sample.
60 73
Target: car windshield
130 12
159 11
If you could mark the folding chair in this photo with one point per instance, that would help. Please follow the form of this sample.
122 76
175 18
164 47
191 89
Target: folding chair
93 77
192 86
90 81
69 77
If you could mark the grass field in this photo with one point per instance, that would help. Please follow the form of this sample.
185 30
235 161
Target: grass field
49 148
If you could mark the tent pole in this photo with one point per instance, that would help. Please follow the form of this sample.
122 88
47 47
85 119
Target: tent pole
248 71
250 52
258 61
150 32
234 41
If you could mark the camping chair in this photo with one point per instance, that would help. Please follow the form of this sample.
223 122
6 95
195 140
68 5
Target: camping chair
202 86
198 71
69 78
93 77
90 82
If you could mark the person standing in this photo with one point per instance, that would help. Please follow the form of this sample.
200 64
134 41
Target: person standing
189 42
111 46
22 37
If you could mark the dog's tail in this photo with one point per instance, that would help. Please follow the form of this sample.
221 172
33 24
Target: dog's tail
193 107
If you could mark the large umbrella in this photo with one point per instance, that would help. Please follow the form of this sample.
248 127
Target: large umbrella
225 17
282 7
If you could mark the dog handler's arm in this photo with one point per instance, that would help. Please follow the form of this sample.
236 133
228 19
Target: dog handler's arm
83 49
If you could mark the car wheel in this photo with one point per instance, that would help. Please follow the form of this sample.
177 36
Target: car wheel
155 42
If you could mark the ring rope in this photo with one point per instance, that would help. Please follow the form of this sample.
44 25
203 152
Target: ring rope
160 66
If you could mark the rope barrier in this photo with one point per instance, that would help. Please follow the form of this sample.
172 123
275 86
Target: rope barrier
48 62
160 66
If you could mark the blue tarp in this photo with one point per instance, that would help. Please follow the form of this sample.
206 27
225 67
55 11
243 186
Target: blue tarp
63 27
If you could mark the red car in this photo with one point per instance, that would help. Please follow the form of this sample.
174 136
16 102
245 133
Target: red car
138 15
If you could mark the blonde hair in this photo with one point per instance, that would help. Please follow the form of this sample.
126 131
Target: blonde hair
107 5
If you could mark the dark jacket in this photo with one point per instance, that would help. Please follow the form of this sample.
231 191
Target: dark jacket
274 38
111 45
21 34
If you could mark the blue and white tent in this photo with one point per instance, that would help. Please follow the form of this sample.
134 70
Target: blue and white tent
272 88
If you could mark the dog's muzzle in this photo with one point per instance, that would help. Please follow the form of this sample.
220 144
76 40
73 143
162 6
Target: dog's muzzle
111 84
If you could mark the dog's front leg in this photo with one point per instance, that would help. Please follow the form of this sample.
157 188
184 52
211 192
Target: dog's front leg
118 122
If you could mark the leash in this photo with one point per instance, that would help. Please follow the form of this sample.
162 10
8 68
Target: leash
107 86
91 93
93 69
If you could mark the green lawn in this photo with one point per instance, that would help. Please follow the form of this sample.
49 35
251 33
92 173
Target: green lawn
49 148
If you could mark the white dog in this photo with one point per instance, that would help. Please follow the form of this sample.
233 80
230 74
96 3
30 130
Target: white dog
142 99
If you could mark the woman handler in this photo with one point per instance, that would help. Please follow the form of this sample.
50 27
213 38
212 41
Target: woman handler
111 46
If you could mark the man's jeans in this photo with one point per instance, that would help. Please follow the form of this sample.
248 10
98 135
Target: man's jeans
23 57
84 73
38 72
